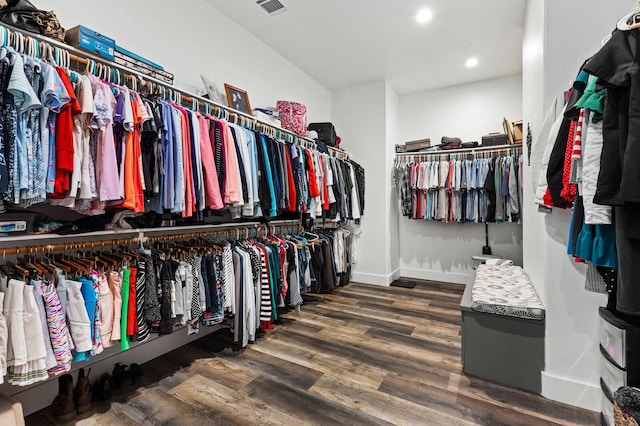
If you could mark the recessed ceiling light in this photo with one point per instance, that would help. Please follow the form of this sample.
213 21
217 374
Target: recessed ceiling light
471 62
424 16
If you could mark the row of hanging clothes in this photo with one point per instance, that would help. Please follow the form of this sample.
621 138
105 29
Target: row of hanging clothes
89 142
64 308
477 187
589 163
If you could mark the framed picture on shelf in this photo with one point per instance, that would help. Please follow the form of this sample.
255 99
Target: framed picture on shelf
212 90
238 99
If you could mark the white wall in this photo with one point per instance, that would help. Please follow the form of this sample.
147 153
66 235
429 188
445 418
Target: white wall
360 116
533 115
467 111
442 251
393 118
192 37
557 47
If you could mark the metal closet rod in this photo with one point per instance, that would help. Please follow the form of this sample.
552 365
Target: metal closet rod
84 57
488 149
141 238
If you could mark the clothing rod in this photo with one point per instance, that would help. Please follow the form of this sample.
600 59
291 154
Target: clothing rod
488 149
196 232
84 57
43 249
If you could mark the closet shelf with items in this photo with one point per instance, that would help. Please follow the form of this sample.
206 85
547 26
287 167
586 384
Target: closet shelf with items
99 145
474 185
65 55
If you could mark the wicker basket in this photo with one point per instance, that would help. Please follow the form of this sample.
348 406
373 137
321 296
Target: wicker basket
622 418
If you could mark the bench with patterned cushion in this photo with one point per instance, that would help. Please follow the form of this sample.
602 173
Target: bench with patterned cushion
505 290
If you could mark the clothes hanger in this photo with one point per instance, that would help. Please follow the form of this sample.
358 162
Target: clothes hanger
32 269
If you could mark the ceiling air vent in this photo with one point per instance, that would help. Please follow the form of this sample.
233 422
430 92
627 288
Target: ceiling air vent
272 7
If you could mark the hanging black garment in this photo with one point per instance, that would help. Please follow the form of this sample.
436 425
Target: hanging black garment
358 170
346 172
149 139
167 276
216 139
628 296
328 282
316 262
615 65
555 171
263 186
490 189
153 294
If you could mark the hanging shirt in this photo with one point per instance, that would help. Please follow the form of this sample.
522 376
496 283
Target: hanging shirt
252 147
210 174
178 203
64 140
169 183
53 97
232 186
269 198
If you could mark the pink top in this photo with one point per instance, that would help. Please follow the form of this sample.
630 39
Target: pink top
189 193
107 164
232 184
211 183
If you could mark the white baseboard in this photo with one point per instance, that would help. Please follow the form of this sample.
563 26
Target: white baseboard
424 274
567 391
375 279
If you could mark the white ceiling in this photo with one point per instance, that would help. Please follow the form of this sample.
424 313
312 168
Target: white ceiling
342 43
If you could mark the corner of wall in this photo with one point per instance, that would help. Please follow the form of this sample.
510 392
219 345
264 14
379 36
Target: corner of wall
567 391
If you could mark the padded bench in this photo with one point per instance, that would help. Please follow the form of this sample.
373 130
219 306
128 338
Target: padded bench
503 328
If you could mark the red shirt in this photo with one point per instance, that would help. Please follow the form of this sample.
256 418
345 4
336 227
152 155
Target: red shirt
132 316
314 191
293 196
64 140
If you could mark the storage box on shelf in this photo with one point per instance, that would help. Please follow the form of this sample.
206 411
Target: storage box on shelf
129 59
91 41
418 145
495 139
517 131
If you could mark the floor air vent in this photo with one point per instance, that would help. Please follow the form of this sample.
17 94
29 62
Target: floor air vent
403 284
272 7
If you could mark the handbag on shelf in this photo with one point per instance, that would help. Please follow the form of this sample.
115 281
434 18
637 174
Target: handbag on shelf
326 132
21 14
293 116
50 25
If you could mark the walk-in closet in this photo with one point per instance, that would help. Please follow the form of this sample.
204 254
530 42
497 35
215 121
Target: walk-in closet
293 212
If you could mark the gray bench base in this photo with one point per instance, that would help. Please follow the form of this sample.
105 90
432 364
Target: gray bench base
502 349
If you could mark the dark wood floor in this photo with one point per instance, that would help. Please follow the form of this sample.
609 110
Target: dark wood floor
364 356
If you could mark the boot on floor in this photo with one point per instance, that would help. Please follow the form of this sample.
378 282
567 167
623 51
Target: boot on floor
83 392
63 406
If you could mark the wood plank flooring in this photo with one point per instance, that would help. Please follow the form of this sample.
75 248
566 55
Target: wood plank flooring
364 356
